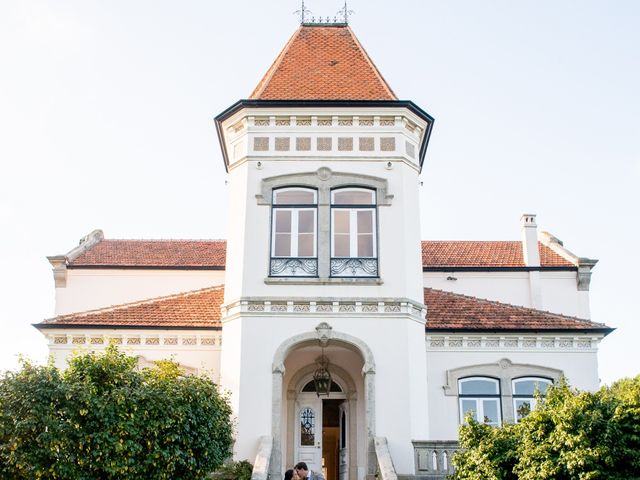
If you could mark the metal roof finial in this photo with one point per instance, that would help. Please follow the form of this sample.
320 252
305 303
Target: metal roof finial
344 12
302 12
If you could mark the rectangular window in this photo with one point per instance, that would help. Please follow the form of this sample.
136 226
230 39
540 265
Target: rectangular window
353 227
480 397
526 391
293 233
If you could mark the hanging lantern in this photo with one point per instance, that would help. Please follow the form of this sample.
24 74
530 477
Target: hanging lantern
322 377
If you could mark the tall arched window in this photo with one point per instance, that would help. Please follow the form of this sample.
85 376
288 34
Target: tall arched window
480 396
354 249
293 233
524 394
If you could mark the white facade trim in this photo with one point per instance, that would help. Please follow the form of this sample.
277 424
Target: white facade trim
512 343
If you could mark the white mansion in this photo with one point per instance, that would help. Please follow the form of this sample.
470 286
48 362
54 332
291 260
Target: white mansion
344 339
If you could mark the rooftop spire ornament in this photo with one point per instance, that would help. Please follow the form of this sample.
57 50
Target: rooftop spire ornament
344 12
302 12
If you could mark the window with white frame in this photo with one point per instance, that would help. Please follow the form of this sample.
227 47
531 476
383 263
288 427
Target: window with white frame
294 232
480 397
353 233
525 394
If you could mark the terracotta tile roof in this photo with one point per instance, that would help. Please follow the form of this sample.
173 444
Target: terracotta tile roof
323 63
450 311
212 254
448 253
196 309
155 253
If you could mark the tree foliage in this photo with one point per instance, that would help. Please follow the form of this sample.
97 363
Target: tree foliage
570 435
102 418
240 470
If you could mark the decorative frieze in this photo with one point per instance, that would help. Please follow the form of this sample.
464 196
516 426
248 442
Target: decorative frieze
324 143
461 342
357 307
303 144
282 144
410 149
261 144
139 340
388 144
366 144
345 144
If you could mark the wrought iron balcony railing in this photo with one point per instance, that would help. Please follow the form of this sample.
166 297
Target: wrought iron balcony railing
293 267
354 267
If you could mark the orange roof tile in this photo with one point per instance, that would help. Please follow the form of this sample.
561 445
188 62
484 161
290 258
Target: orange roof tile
451 311
196 309
446 253
323 62
201 309
155 253
212 254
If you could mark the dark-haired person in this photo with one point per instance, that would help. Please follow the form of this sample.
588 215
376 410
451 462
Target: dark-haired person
305 474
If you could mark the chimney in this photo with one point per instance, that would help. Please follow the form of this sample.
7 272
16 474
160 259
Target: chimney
530 251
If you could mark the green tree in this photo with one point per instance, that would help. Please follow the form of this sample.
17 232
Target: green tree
487 453
570 435
102 418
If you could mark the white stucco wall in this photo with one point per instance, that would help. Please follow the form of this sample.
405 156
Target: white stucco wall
197 350
579 367
393 341
558 289
88 289
398 240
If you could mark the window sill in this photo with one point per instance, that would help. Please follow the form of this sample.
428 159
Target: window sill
322 281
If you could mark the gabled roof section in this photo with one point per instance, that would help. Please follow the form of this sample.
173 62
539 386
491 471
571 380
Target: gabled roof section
211 254
199 309
448 311
437 254
323 62
203 254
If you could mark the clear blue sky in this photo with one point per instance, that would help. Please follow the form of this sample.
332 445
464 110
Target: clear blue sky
106 112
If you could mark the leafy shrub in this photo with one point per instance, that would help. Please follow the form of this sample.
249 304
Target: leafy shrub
102 418
234 471
571 435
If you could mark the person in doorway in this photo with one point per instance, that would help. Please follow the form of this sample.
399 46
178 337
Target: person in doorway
305 474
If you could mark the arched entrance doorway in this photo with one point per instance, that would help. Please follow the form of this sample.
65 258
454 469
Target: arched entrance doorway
334 433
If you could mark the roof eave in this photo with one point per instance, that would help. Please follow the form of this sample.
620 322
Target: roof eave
68 326
496 268
596 330
240 104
